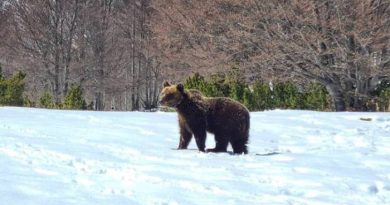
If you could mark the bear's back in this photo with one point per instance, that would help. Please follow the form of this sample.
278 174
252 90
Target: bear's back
227 115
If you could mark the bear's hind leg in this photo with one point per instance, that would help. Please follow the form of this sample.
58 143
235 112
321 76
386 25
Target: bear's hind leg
240 146
221 144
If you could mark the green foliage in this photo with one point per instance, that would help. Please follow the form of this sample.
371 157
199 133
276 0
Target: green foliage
381 100
75 99
46 101
235 84
263 96
27 102
260 96
209 88
194 81
215 86
384 100
286 95
249 100
237 90
316 97
11 90
3 88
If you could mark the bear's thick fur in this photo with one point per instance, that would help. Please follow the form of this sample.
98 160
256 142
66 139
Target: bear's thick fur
227 119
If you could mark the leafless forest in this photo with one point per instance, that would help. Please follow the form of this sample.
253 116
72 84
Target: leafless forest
120 51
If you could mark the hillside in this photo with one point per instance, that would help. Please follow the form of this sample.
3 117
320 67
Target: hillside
296 157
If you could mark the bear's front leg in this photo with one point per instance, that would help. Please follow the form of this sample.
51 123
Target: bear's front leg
201 140
185 138
198 127
185 134
200 136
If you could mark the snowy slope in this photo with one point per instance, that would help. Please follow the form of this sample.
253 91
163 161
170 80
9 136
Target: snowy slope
70 157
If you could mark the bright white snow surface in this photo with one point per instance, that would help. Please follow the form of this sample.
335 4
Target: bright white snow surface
75 157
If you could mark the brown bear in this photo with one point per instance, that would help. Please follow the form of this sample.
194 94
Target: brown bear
227 119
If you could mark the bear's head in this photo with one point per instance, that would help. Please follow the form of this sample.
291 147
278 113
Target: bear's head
171 95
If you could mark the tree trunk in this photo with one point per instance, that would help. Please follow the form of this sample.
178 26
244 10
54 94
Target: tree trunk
99 101
133 77
338 98
56 84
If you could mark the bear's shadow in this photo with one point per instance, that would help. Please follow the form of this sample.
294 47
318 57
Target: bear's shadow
228 152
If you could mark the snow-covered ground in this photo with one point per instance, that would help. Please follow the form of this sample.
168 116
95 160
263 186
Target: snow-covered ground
70 157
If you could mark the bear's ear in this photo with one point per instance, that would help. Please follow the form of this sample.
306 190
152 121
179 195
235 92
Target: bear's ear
166 84
180 87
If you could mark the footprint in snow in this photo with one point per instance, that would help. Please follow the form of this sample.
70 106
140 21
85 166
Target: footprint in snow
382 119
373 189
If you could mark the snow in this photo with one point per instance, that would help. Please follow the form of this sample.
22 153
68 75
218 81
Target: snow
296 157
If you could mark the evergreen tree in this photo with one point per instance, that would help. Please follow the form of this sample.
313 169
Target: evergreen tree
234 80
209 88
262 96
215 86
11 90
27 102
75 99
316 97
46 100
237 91
248 100
384 99
194 82
292 96
286 96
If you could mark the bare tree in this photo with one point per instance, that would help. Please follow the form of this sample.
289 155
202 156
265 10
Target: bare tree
341 44
4 30
98 32
336 43
141 65
185 36
44 34
104 45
